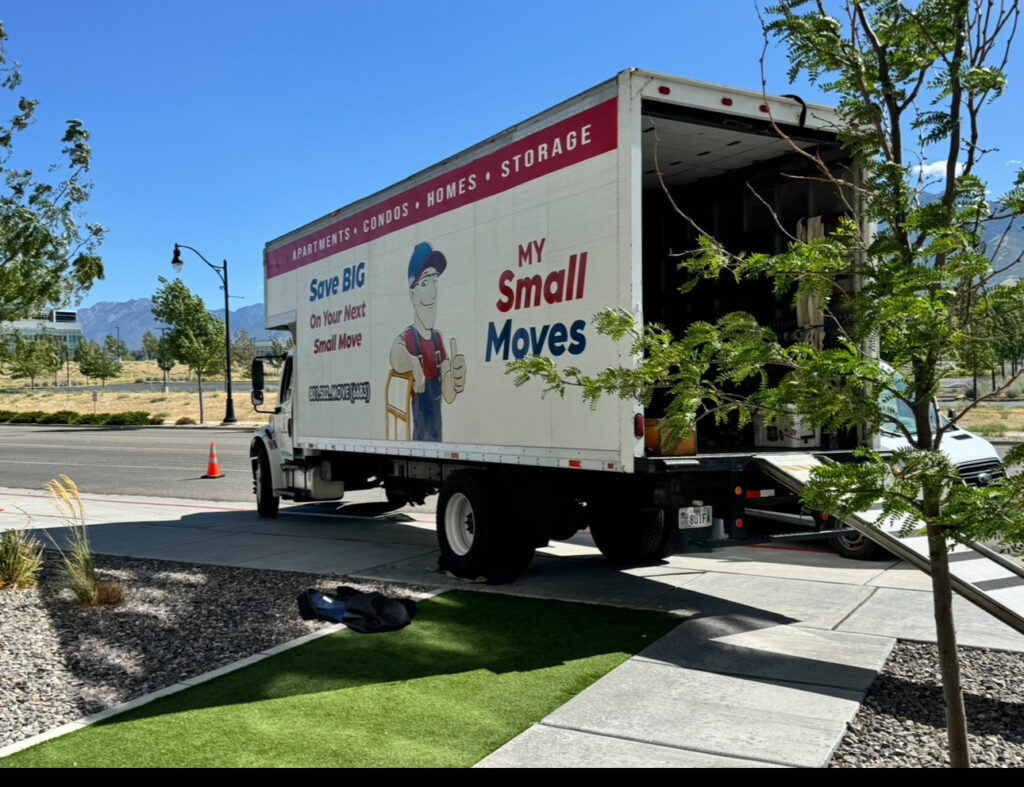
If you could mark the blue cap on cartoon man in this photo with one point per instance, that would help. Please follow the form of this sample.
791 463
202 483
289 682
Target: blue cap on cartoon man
423 258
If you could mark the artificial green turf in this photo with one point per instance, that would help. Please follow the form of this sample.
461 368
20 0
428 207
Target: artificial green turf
471 672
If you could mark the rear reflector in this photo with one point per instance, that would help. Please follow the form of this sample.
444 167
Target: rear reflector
575 463
726 102
664 90
638 426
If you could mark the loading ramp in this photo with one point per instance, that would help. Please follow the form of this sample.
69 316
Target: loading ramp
984 577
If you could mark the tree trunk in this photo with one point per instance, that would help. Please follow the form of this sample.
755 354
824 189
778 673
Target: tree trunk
202 412
949 659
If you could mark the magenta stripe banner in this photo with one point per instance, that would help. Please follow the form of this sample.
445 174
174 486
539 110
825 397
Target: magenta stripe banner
583 136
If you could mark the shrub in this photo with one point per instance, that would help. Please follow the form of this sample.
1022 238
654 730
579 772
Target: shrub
21 559
30 417
109 593
98 419
185 420
60 417
129 418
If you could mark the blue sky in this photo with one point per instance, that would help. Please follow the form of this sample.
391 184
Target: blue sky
223 125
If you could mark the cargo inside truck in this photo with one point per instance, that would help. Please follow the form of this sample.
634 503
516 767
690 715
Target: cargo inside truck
753 191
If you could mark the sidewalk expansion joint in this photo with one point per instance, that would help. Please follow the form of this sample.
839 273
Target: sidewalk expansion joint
856 608
664 745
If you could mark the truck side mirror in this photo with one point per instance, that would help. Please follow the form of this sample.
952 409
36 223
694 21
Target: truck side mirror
257 398
257 380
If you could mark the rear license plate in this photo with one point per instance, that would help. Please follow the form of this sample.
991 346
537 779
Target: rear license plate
694 516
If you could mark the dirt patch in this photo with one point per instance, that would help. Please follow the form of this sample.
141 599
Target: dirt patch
170 407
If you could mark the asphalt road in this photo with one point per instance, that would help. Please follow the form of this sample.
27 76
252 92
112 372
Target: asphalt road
161 462
157 462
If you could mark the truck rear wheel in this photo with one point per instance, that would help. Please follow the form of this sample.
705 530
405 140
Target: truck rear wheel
630 537
475 538
267 502
855 546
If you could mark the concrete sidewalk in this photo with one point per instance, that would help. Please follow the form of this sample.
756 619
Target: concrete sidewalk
777 651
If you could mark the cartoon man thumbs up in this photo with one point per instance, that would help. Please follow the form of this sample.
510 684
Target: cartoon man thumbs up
453 375
420 348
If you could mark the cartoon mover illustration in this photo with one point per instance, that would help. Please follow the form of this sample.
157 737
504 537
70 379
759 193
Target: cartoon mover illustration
419 356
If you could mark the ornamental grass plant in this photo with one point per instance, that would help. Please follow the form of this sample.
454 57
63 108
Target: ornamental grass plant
21 560
79 569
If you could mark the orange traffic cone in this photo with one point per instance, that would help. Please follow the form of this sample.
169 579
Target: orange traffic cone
213 468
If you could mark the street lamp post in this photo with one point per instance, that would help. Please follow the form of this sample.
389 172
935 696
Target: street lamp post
222 270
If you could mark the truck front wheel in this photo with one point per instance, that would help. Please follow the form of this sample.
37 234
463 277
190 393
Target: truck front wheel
267 502
475 539
631 537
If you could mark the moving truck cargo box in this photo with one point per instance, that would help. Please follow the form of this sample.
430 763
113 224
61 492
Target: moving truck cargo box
406 306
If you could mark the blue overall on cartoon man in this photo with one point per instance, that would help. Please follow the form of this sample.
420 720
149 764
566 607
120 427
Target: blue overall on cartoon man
420 349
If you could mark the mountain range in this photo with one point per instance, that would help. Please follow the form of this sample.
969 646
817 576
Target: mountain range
131 319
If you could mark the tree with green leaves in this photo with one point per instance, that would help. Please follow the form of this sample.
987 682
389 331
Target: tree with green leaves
6 348
279 349
115 347
95 362
33 358
150 346
196 337
911 81
164 359
46 255
243 351
1007 325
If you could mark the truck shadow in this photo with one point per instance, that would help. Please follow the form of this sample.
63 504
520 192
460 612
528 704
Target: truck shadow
182 613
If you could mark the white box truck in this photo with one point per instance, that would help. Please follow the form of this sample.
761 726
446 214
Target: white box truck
406 306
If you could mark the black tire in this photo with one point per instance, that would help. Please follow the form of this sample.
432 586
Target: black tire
475 538
564 531
267 503
855 546
630 537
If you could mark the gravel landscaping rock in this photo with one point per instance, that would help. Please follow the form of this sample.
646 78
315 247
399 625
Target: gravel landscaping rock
60 662
902 721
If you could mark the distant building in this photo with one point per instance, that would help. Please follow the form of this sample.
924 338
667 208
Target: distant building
59 324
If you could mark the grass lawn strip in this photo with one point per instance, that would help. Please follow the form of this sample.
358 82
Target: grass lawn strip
472 671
